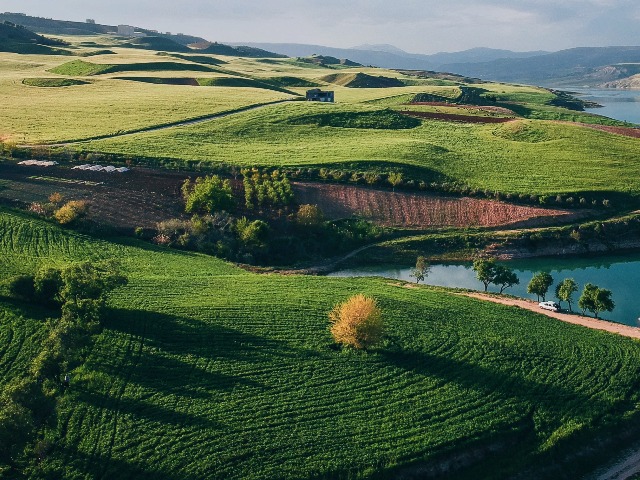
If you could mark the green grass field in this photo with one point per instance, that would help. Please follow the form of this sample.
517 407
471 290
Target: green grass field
525 156
206 371
533 155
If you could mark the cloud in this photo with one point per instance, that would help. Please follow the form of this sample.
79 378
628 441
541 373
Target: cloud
416 25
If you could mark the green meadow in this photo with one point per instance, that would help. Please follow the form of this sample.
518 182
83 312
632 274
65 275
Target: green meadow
524 156
542 151
203 370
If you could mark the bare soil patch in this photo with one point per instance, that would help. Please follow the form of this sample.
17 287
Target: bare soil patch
626 131
142 197
138 198
403 209
620 329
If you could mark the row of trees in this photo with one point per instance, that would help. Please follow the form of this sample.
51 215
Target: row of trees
262 188
489 272
593 298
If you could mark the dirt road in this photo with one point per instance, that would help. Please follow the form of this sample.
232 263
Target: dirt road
620 329
179 123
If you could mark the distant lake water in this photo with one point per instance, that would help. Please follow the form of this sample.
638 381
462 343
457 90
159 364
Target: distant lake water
617 103
620 274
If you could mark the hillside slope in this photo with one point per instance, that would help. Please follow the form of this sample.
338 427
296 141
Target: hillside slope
17 39
205 371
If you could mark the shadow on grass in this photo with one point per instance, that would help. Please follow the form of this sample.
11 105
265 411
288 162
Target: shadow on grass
556 398
160 364
152 412
76 464
28 309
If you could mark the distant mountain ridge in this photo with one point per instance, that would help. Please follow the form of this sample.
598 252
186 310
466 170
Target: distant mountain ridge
388 56
574 66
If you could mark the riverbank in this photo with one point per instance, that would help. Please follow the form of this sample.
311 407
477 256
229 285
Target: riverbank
573 318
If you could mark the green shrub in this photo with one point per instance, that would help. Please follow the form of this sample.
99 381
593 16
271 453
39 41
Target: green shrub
207 195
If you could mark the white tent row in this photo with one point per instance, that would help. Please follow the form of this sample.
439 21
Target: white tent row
38 163
100 168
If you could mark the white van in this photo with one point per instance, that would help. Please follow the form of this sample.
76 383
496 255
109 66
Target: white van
553 306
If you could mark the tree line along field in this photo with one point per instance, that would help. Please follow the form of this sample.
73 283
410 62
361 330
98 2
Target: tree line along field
204 370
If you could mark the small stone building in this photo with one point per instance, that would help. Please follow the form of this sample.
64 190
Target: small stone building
317 95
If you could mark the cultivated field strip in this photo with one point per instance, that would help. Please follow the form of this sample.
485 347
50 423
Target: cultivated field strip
247 375
406 209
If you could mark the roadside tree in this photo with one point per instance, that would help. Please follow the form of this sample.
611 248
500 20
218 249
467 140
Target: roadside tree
504 277
595 300
540 284
485 269
565 291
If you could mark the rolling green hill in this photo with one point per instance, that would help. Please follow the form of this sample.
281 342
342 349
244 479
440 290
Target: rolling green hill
17 39
239 51
156 43
203 370
361 80
523 156
83 68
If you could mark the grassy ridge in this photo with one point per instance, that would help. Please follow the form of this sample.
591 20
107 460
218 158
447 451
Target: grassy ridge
82 68
52 82
206 371
534 155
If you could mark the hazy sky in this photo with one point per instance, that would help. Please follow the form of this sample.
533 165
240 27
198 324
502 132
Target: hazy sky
420 26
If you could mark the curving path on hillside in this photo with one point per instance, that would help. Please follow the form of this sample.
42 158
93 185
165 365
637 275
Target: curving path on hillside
164 126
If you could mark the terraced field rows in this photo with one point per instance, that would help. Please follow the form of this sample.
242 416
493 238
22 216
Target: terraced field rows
206 371
20 337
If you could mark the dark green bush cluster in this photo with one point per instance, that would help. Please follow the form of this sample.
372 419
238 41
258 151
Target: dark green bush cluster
283 241
26 403
220 234
262 188
307 236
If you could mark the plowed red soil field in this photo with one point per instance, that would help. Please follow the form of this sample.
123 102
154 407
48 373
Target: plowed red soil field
626 131
402 209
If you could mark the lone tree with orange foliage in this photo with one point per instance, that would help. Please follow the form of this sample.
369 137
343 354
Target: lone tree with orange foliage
357 322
